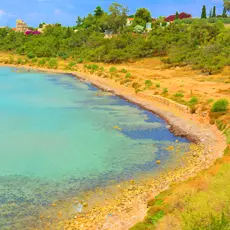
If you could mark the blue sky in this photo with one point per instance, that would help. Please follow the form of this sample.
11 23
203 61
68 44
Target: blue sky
66 11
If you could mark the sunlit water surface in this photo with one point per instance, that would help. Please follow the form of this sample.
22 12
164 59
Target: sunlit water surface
60 136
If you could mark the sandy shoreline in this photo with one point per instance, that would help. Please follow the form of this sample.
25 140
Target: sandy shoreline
132 200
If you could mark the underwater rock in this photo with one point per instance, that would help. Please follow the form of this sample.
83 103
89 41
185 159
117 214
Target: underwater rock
117 127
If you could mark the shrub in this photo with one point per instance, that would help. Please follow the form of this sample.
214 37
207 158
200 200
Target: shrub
71 64
53 63
41 62
63 55
220 105
25 61
102 69
34 60
148 83
154 219
30 55
192 104
80 60
136 86
157 85
94 67
179 95
11 61
19 61
124 71
165 91
99 73
6 61
128 75
113 70
193 101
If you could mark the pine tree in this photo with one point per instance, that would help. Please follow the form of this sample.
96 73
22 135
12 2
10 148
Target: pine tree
177 15
210 14
224 14
98 11
214 12
227 5
204 14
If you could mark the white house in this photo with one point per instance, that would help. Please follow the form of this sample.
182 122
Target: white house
129 21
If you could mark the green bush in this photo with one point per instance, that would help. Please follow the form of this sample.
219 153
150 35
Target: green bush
31 55
123 71
193 101
34 60
11 61
41 62
80 60
63 55
148 83
53 63
220 105
178 94
165 91
71 64
19 61
128 75
157 85
113 70
94 67
192 104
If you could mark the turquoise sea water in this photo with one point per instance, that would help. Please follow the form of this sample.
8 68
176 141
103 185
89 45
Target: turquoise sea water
58 138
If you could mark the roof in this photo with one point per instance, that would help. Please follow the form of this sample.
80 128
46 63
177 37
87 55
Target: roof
130 19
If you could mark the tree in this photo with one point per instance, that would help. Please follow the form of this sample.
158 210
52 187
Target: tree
98 12
41 24
204 14
227 5
224 14
79 21
142 17
214 12
117 17
138 29
177 15
210 14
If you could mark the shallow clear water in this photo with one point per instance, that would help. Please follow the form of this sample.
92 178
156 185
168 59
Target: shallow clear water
58 138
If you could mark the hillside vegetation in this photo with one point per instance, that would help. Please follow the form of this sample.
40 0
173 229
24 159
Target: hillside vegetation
202 43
